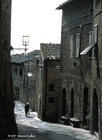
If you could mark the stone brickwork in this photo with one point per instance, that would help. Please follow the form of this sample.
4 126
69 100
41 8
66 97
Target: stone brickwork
80 70
75 23
37 86
7 118
48 88
30 82
96 123
52 93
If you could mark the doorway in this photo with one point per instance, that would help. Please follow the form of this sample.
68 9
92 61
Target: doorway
95 111
85 105
16 95
72 104
63 102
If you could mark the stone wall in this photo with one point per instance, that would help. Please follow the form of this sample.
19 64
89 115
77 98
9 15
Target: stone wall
97 68
7 118
18 79
50 91
37 86
81 77
77 22
30 83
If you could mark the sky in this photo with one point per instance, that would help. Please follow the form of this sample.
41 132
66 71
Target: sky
38 19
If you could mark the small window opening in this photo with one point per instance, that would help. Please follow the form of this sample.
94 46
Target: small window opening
51 87
51 99
20 72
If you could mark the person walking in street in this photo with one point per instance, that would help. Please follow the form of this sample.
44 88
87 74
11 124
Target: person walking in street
26 109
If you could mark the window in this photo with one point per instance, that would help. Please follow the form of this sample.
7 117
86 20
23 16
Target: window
97 2
20 72
51 99
91 44
15 70
71 46
86 50
77 44
16 90
95 52
51 87
91 8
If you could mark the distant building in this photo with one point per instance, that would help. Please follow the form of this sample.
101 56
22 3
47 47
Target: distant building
48 88
24 76
7 118
17 75
81 74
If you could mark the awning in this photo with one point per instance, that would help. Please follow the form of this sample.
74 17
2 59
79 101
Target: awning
86 50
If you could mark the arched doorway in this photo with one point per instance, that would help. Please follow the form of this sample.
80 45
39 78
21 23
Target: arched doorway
95 111
85 105
72 104
63 102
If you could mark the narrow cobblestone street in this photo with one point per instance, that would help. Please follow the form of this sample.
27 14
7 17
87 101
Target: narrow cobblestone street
34 129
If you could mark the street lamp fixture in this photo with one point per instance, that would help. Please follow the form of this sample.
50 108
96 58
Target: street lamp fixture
29 74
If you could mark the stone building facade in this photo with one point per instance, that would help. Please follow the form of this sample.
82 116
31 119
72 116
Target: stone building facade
17 76
7 118
37 85
29 90
23 85
81 76
48 88
96 123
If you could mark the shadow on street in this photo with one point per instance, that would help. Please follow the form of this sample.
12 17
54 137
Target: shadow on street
31 133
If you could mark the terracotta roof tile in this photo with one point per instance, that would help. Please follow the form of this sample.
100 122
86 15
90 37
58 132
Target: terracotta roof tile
50 51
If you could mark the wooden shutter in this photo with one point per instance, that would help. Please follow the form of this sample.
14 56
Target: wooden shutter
71 46
77 44
96 33
90 42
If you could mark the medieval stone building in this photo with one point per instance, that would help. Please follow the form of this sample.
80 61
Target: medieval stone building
24 76
81 63
17 76
7 118
48 88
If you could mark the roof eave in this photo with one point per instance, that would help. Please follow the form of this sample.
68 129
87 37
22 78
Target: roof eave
63 5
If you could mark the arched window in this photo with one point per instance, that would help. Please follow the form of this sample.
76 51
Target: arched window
51 87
